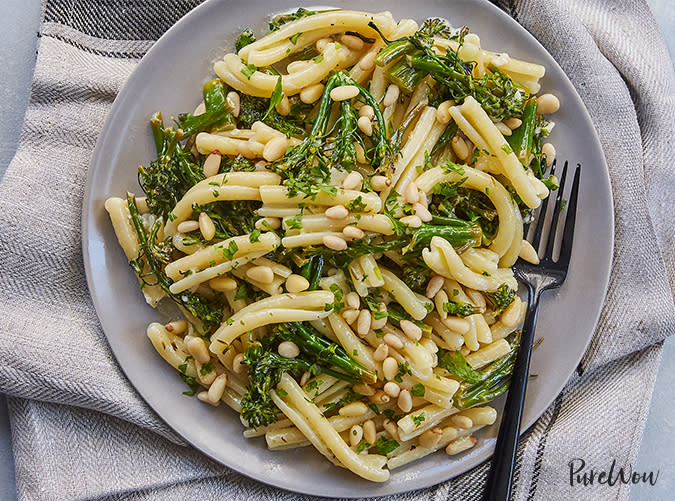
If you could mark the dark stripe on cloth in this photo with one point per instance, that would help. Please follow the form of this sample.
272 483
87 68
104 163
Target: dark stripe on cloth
542 446
105 53
118 19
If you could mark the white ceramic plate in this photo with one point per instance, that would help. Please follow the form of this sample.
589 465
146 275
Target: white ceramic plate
169 78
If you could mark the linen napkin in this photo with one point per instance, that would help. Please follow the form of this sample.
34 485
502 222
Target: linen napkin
80 431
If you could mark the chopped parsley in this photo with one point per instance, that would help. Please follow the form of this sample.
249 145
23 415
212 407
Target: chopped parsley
418 419
418 390
249 70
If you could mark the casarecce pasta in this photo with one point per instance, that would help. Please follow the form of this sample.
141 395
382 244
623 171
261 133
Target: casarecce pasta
336 222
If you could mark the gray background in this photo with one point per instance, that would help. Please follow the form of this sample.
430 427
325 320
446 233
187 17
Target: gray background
18 41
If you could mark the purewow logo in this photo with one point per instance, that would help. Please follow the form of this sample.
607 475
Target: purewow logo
580 475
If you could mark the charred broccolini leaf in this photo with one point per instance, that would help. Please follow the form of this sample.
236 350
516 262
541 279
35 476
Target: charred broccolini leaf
318 355
172 174
254 109
156 255
306 167
410 59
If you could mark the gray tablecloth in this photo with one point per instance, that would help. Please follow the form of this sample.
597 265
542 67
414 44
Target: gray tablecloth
81 431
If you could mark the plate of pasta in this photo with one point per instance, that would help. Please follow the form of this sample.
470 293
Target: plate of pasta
315 251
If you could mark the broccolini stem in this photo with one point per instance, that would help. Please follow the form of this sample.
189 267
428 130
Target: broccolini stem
521 138
310 341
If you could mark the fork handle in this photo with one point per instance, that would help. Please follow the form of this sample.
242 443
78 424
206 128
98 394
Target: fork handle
498 487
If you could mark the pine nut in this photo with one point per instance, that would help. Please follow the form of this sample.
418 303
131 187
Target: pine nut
380 397
335 243
392 389
197 348
353 300
549 151
389 368
355 435
212 164
311 94
284 106
430 438
412 221
352 180
360 154
352 232
450 433
511 315
411 193
206 226
411 330
305 377
176 327
462 421
391 96
364 389
404 401
351 42
262 274
344 92
272 222
296 66
288 349
337 212
460 148
443 111
203 396
238 367
459 325
379 322
513 123
233 102
393 341
322 43
369 431
501 127
434 285
528 253
460 445
353 409
296 283
275 148
217 389
223 284
476 298
367 111
381 352
392 428
200 109
547 103
367 62
380 183
363 322
365 126
350 316
188 226
422 212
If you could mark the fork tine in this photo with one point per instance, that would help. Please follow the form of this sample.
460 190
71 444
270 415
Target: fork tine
556 214
541 217
568 230
526 227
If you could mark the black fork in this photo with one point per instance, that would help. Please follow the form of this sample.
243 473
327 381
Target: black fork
548 274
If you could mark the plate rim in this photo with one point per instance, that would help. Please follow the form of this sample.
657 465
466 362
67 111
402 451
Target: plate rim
117 108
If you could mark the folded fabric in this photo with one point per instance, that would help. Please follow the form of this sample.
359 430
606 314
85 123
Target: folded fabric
85 432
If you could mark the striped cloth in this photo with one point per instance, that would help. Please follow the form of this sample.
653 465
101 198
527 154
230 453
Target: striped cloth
80 431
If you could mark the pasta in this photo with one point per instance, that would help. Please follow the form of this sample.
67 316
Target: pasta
337 221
